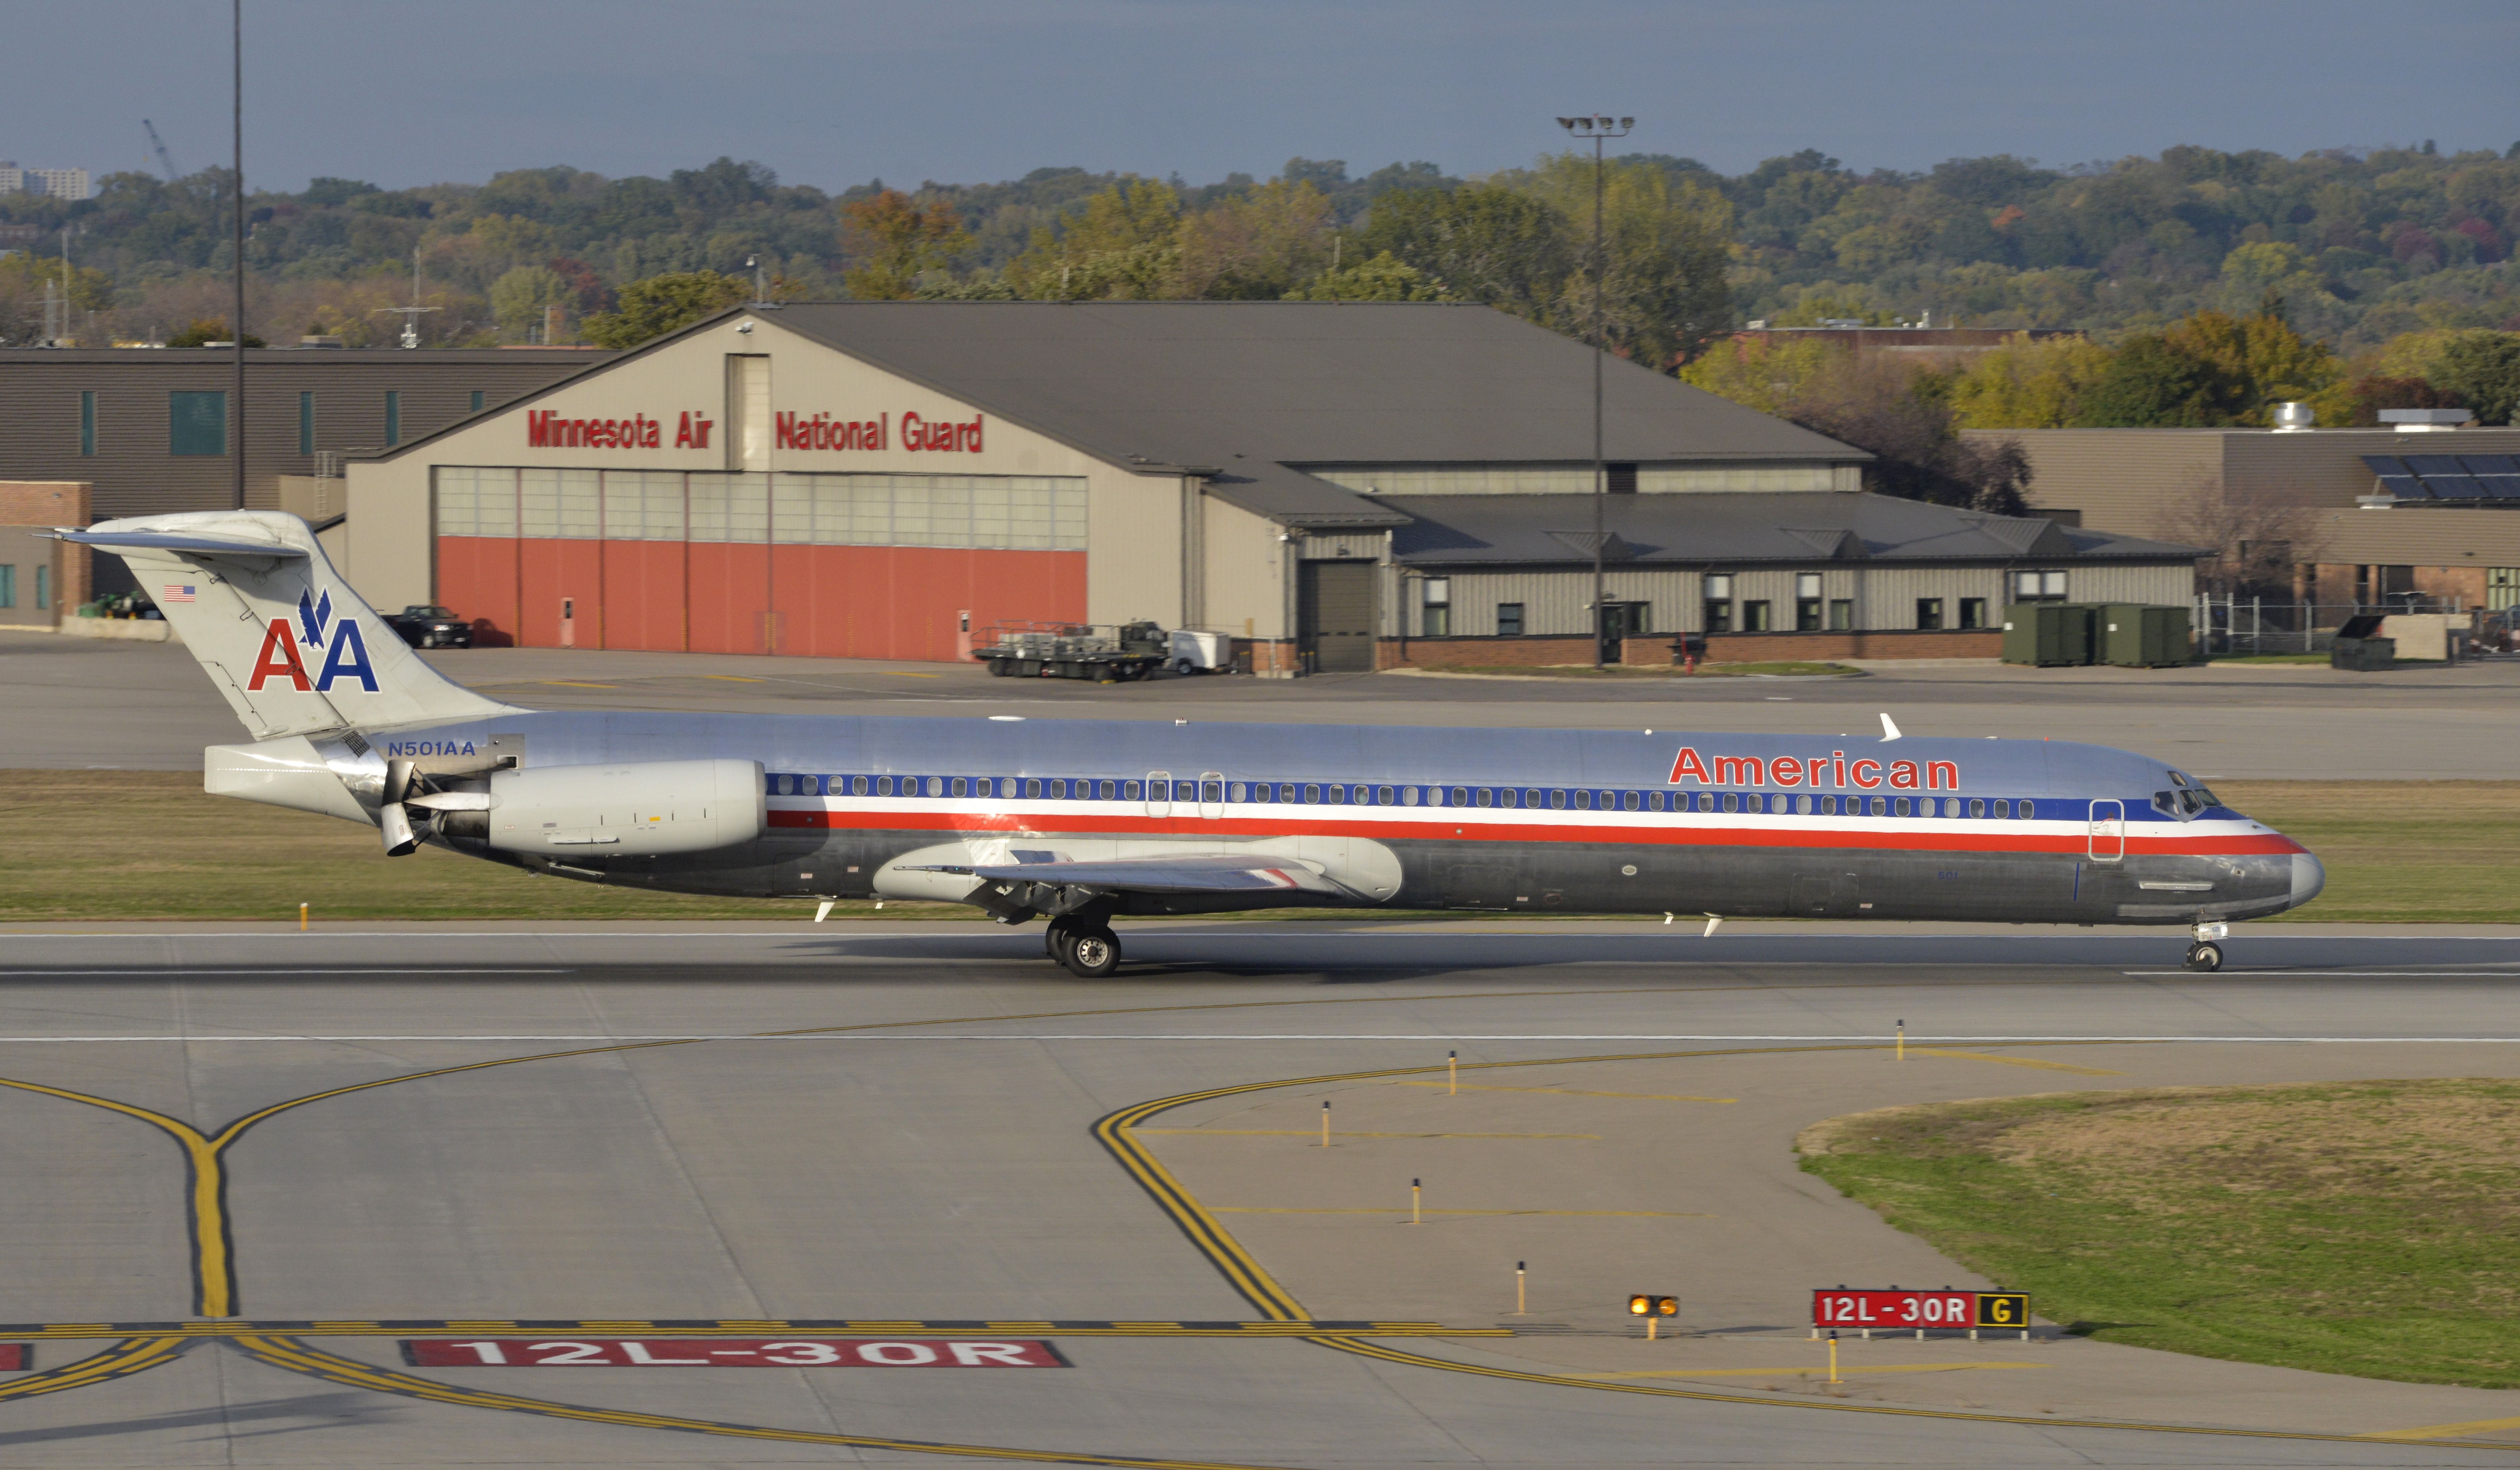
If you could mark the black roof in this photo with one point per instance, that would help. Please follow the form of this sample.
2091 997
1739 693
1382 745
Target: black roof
1737 527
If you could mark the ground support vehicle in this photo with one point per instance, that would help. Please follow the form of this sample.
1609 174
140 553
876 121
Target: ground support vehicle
1105 653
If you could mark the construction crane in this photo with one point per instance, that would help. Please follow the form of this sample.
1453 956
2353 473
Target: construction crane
166 159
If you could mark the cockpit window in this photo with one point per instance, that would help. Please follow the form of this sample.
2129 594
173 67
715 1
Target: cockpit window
2176 779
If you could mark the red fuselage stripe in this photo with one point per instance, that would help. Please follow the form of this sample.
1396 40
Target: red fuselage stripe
1996 839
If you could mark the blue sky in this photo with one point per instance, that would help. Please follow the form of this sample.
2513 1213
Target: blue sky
971 90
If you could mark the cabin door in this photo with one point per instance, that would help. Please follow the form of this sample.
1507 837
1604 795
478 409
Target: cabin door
2107 843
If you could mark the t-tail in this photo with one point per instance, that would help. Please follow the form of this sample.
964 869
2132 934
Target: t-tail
279 634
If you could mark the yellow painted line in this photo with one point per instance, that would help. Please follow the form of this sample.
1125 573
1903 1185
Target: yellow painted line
896 673
297 1357
1809 1372
1316 1133
1600 1214
1980 1056
2447 1430
576 685
115 1363
1581 1092
734 678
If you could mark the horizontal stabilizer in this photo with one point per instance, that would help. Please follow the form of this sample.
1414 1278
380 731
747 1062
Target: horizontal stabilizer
147 540
1208 874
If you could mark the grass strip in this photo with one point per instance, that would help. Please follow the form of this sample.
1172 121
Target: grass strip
2355 1227
93 845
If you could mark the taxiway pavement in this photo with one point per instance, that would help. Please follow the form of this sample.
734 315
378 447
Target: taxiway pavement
246 1163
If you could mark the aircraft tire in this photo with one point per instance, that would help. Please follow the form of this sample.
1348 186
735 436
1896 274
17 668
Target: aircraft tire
2205 957
1056 940
1093 955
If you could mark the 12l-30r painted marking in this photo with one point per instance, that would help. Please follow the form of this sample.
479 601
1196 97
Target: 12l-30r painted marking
1845 1308
735 1352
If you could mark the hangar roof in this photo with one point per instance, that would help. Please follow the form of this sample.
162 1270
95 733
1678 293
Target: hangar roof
1249 386
1733 527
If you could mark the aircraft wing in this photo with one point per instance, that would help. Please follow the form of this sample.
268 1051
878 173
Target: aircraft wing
1212 873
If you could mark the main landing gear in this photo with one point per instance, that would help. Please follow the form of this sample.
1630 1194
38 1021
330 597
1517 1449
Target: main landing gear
2205 954
1086 946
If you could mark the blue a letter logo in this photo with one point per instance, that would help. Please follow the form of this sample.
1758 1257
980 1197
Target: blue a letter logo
347 657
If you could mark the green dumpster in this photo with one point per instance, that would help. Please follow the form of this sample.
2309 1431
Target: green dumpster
2049 634
2134 635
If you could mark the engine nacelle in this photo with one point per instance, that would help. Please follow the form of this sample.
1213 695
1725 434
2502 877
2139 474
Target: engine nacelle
631 809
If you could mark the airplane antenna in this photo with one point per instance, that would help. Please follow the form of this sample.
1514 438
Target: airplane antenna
1889 731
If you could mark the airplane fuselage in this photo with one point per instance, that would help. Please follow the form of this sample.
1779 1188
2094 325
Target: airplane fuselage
1599 821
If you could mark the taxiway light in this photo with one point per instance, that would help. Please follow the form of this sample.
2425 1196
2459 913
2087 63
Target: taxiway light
1648 1304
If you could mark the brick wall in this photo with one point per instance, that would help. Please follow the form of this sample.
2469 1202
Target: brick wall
29 505
1721 648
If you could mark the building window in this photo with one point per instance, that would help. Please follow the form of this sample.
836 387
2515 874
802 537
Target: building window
1841 615
1972 612
43 586
393 418
1719 603
1619 480
87 423
1929 613
1508 619
306 424
8 586
2039 586
1807 602
197 423
2502 588
1626 620
1438 601
1754 615
476 400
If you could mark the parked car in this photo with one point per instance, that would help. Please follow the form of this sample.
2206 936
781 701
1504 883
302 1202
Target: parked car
423 626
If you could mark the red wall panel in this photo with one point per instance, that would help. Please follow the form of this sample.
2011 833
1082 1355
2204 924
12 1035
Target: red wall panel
853 601
477 579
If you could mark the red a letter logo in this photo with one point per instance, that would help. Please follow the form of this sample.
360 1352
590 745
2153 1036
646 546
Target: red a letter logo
279 656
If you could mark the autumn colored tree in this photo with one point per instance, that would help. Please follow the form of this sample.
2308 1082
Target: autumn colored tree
1123 246
895 239
2029 383
1258 246
1383 278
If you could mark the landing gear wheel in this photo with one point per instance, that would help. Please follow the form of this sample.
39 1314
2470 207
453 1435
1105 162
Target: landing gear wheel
2205 956
1092 953
1056 940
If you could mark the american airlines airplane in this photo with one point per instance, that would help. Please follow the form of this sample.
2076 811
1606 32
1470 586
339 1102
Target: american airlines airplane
1077 821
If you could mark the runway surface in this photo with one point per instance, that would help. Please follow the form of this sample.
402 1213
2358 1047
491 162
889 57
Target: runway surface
247 1166
78 702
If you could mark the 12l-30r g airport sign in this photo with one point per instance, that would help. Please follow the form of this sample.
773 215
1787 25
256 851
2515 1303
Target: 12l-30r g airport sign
1898 1309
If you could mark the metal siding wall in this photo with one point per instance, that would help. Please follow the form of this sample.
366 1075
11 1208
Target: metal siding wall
2132 584
2132 481
135 476
1892 593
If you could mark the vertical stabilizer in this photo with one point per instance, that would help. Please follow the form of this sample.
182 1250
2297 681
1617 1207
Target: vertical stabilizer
287 643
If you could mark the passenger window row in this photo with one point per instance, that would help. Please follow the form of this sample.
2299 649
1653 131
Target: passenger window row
1341 794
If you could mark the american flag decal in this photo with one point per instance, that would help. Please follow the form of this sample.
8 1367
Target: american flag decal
177 593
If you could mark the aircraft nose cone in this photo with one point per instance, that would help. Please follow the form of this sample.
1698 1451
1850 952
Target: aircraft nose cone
2309 876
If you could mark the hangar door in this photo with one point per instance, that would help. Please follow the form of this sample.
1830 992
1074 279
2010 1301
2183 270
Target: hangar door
1334 616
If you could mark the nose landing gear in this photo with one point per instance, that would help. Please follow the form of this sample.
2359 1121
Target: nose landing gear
2205 953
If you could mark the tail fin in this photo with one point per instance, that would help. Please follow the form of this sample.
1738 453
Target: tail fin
277 629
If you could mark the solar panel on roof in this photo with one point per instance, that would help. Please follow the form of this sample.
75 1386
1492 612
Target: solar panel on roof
2384 464
2435 464
2500 487
2405 486
2455 486
2490 464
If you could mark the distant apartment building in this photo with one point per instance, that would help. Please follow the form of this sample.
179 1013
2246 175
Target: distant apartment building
60 183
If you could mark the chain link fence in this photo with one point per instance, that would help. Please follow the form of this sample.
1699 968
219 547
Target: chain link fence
2242 627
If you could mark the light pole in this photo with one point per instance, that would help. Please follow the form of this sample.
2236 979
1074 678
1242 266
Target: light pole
235 119
1599 130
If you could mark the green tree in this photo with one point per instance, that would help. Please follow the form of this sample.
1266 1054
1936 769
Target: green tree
895 239
1663 257
1123 246
2484 368
1481 242
2152 384
519 298
660 304
1384 278
1764 373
